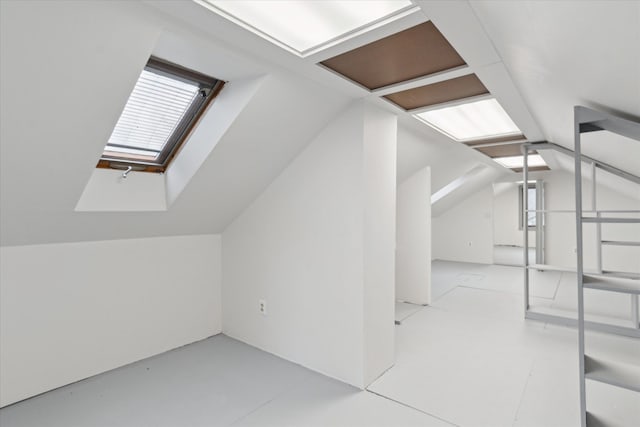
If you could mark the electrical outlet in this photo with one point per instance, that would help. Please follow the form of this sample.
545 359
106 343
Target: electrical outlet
262 307
470 244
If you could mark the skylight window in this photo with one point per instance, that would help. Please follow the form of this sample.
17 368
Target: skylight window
163 107
517 162
471 121
303 26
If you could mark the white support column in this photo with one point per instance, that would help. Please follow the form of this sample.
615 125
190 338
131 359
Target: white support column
413 237
379 233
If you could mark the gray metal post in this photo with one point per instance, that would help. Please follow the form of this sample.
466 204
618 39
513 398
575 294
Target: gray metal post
525 227
579 267
598 244
539 222
598 225
593 186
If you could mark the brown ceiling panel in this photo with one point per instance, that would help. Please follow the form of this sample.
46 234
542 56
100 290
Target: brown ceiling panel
437 93
509 150
533 169
506 150
496 140
415 52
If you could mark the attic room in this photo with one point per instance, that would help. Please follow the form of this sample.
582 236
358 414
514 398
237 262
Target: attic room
319 213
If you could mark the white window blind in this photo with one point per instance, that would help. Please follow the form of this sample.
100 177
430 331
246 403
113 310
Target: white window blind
154 109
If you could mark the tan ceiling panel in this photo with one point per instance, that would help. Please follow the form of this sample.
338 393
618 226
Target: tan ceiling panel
496 140
533 169
415 52
506 150
437 93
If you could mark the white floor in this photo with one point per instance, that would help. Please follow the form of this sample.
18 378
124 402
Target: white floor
470 359
512 255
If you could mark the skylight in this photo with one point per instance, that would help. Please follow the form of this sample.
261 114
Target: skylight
154 110
517 162
161 110
305 25
471 121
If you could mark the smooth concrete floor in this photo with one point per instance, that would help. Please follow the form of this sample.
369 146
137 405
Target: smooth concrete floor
469 359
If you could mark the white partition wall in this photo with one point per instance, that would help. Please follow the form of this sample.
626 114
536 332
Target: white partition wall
379 186
316 249
413 250
72 310
464 233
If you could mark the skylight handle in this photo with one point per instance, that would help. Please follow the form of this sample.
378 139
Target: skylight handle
125 173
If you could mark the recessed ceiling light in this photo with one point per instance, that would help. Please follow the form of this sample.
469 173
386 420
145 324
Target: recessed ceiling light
471 121
302 26
515 162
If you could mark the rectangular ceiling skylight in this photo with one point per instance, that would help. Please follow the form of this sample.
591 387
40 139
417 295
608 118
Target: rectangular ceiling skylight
517 162
305 25
471 121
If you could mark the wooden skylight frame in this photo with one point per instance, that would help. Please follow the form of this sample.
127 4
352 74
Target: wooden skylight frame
162 111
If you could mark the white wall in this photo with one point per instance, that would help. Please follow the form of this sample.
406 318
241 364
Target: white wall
447 161
465 232
472 181
302 247
470 221
413 250
69 311
107 190
220 115
561 230
379 232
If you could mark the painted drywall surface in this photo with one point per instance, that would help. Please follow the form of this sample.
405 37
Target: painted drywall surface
465 223
413 250
465 232
70 311
300 247
107 190
219 116
561 230
447 160
481 180
379 186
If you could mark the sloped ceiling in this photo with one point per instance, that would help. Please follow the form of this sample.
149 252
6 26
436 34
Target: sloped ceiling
68 67
558 54
67 70
566 53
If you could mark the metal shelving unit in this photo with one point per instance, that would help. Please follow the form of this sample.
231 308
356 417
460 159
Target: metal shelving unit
600 278
609 372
